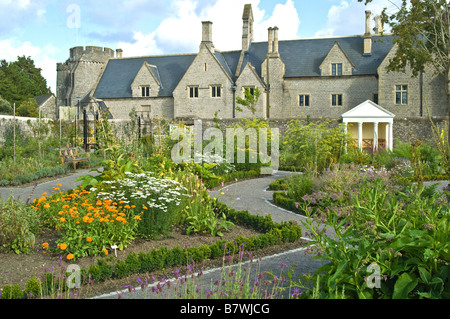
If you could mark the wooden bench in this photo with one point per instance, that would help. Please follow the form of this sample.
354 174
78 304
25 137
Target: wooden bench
70 155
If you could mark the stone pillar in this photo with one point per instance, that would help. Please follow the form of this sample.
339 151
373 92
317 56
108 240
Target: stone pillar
360 132
391 136
375 137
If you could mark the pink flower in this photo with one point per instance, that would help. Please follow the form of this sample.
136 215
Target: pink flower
237 198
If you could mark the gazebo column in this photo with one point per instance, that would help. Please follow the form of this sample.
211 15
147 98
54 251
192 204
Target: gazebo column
375 137
390 140
360 137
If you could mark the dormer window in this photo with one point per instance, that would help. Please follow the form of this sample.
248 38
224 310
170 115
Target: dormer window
336 69
145 91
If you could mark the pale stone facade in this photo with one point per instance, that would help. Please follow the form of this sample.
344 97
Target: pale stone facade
304 78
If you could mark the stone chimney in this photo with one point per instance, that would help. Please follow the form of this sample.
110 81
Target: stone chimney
270 41
275 40
378 24
247 27
207 35
119 53
367 36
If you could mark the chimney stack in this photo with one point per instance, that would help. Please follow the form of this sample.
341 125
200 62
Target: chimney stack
275 40
207 35
247 27
270 41
367 36
378 25
368 14
119 53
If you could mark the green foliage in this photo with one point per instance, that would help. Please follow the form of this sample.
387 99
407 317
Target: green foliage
12 292
33 288
21 80
403 233
17 227
202 218
313 146
250 100
28 108
5 107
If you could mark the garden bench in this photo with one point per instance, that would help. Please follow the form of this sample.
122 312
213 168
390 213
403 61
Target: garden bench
70 155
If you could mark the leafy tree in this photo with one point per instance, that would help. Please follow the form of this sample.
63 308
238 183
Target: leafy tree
250 99
5 107
28 108
21 80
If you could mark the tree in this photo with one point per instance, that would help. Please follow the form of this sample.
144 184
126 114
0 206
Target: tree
21 80
5 107
28 108
250 99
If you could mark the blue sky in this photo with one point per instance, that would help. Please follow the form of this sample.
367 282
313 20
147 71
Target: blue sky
45 30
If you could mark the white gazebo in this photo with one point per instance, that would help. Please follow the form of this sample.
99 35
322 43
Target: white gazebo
371 125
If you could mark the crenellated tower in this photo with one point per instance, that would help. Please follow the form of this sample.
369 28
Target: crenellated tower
77 76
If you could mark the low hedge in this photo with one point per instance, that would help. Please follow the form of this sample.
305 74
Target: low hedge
282 200
162 257
231 177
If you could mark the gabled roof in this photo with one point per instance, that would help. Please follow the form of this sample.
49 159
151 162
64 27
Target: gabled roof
368 109
115 82
41 99
302 58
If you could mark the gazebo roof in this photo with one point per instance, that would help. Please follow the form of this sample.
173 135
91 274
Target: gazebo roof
367 111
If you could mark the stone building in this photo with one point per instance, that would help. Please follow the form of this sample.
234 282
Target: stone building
303 78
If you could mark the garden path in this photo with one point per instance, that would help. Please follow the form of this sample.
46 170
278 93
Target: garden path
254 196
30 192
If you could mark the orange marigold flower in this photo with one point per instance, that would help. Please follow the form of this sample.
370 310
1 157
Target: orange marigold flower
127 206
45 245
88 239
137 217
65 206
59 185
44 194
62 246
106 252
144 207
69 256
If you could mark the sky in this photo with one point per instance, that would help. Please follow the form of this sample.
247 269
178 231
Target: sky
45 30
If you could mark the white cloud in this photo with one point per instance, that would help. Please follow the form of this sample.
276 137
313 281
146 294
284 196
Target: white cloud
10 49
181 33
348 17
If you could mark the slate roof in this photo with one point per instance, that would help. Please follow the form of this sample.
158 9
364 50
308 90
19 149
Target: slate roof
41 99
120 73
302 58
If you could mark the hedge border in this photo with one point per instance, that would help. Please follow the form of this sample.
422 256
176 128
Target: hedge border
159 258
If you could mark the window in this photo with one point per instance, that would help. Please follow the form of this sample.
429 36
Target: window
336 99
336 69
401 94
303 100
216 91
252 90
193 92
145 90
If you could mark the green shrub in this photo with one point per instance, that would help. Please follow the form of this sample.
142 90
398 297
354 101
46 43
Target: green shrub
12 292
33 288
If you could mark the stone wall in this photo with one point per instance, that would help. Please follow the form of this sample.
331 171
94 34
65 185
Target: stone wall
25 124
